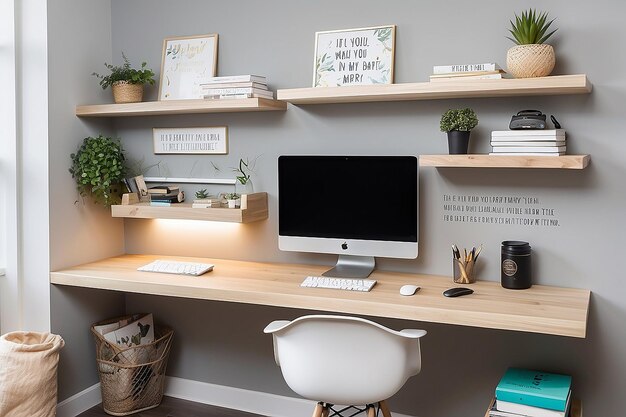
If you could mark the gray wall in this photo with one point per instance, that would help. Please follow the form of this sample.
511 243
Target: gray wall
275 39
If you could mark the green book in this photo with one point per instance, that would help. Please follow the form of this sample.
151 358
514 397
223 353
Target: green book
534 388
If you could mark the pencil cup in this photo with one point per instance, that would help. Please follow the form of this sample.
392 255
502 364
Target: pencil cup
463 272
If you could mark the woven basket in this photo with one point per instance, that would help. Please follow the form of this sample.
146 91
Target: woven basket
529 61
132 379
125 92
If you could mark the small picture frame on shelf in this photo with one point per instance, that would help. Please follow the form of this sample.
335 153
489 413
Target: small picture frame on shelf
191 140
187 61
354 56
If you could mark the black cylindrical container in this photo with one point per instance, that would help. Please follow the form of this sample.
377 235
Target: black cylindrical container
515 266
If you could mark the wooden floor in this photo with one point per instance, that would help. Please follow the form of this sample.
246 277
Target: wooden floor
173 407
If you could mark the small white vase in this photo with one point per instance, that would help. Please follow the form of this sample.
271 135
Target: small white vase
234 203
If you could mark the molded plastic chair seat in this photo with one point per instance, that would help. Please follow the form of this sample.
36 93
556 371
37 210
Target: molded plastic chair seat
344 360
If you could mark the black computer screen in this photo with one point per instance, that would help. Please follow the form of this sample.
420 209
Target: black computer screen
348 197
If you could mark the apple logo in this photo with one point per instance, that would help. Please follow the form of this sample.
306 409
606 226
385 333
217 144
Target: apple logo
344 246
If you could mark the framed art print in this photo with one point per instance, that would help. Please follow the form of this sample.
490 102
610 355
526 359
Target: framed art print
186 62
354 56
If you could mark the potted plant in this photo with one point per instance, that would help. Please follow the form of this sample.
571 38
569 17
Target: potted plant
234 200
126 82
458 123
99 169
530 57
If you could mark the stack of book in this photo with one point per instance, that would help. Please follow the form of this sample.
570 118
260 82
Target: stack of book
208 202
235 86
460 72
165 195
549 142
526 393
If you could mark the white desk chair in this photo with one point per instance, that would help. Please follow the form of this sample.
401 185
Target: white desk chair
345 360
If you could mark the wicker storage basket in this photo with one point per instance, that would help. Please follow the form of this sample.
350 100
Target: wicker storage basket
132 379
125 92
529 61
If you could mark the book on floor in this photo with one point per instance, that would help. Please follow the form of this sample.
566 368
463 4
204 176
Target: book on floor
534 388
509 409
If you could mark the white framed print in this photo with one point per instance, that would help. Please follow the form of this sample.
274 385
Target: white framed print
354 56
186 62
191 140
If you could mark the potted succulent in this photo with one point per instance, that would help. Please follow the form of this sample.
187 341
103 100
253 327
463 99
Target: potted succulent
234 200
530 57
126 82
99 169
458 123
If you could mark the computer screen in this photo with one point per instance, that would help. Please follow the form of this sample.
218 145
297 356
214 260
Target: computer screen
349 205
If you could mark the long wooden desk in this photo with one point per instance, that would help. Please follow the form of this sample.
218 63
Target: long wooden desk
540 309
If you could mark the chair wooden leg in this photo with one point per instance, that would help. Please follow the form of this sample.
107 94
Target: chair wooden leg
319 408
371 411
384 408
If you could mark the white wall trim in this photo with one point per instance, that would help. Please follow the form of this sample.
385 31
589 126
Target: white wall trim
80 402
254 402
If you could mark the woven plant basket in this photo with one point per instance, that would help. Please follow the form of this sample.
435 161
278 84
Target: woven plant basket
529 61
125 92
132 379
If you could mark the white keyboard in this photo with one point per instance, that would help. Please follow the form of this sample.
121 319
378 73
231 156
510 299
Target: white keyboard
339 283
176 267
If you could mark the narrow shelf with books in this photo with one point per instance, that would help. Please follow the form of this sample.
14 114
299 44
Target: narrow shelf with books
505 161
159 108
253 208
474 88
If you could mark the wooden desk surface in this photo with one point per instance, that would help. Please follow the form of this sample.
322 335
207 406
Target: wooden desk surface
540 309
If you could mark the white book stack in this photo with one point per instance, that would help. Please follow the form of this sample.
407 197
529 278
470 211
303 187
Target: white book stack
460 72
549 142
235 86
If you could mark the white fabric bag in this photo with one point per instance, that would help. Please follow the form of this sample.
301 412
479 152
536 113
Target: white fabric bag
28 374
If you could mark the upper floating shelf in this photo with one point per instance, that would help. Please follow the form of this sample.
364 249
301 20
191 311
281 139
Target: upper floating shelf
155 108
505 161
555 85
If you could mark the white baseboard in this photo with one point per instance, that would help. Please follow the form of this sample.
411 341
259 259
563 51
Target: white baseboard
254 402
249 401
79 403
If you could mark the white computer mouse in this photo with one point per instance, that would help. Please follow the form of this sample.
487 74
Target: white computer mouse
409 289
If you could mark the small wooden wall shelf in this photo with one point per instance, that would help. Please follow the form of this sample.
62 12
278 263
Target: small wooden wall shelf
539 309
253 208
505 161
155 108
555 85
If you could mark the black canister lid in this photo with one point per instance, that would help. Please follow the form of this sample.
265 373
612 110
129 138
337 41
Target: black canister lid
516 247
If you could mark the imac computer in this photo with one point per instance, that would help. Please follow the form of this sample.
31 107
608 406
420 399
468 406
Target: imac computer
358 207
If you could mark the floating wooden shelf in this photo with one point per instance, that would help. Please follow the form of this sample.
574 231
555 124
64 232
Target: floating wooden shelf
154 108
540 309
505 161
253 208
555 85
576 409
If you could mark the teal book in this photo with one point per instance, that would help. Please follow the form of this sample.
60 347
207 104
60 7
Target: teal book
534 388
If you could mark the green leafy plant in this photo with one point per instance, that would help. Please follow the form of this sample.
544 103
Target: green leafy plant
458 119
244 170
531 28
232 196
98 168
126 73
202 194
